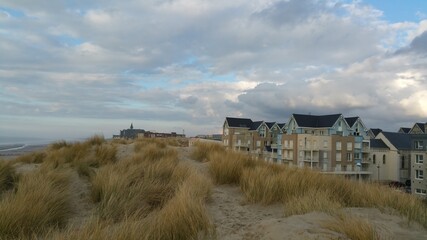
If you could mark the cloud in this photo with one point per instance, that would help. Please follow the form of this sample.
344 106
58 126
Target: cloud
193 62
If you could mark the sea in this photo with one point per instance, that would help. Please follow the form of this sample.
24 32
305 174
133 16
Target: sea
15 146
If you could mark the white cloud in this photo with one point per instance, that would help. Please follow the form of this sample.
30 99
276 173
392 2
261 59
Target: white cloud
200 60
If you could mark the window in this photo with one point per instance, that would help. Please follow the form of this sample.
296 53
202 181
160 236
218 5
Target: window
301 153
419 158
338 157
338 167
421 191
349 146
291 143
356 155
358 145
418 144
262 131
374 160
239 142
286 143
300 142
384 159
402 162
419 174
338 145
348 157
258 143
325 143
325 155
225 131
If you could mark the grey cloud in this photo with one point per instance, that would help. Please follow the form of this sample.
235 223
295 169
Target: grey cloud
290 12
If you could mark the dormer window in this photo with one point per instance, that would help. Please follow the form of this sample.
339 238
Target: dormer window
262 131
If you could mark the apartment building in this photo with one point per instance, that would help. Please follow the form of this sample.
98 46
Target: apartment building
328 143
391 157
253 137
419 154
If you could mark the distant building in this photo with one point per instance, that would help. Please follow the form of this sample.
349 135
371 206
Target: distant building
149 134
129 133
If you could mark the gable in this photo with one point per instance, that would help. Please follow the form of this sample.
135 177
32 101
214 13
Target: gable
418 128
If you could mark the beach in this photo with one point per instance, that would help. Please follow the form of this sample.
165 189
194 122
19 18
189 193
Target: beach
9 151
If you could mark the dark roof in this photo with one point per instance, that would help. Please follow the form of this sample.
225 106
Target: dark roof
281 125
404 129
421 126
255 125
316 121
376 131
351 120
270 124
239 122
400 140
378 143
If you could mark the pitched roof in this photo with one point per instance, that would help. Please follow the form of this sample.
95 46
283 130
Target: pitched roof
351 120
378 143
255 125
421 126
376 131
281 125
270 124
399 140
316 121
239 122
404 129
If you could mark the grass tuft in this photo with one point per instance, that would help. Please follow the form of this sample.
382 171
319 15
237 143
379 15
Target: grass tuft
58 145
353 227
8 176
227 167
202 150
41 201
95 140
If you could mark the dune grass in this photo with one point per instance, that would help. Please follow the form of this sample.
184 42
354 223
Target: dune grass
227 167
8 176
151 195
203 149
353 227
265 183
35 157
41 201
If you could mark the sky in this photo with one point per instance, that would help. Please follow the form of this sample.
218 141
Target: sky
75 68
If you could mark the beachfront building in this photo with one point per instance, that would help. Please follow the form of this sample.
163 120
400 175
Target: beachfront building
328 143
391 157
418 164
255 138
129 133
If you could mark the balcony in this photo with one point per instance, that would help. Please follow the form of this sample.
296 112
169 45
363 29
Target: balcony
308 159
365 160
242 145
